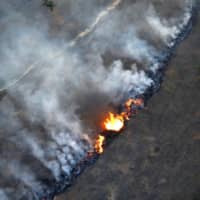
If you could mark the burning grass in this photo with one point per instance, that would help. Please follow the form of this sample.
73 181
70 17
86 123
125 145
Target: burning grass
115 122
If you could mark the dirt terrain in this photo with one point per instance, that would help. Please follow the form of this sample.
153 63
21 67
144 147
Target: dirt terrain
157 156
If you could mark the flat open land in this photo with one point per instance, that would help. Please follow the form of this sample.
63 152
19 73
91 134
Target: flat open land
158 155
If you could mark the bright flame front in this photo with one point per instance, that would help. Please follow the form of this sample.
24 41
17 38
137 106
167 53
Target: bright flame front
114 122
99 144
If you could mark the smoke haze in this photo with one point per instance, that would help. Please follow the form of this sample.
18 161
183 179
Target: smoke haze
61 71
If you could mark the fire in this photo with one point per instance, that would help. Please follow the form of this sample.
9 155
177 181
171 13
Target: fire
99 144
137 102
128 107
114 122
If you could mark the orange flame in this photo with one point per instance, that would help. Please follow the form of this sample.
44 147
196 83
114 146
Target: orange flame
99 144
130 102
114 122
128 106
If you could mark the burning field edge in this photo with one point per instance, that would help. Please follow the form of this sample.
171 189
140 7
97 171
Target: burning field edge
106 137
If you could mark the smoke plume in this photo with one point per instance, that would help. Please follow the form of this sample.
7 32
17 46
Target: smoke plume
62 70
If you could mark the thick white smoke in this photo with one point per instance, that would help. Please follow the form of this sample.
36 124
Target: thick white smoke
61 70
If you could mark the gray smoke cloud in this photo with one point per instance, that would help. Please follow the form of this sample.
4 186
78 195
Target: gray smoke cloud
61 71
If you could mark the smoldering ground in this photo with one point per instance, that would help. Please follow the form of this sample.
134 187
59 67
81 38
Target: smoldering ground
61 71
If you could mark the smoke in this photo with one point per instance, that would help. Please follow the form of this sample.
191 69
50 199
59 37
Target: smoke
61 71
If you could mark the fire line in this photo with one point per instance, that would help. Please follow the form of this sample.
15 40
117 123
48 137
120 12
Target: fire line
116 122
